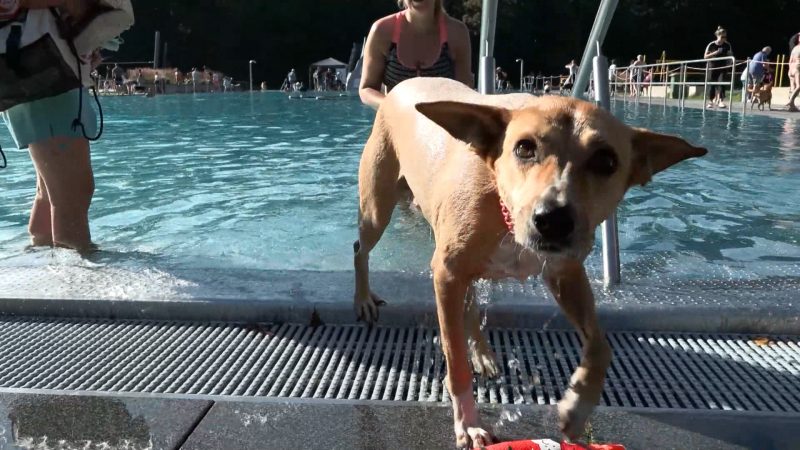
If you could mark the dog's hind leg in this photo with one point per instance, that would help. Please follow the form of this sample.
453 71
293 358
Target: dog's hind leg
483 359
377 186
570 287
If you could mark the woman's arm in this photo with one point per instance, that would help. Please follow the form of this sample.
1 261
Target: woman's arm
462 52
373 67
40 4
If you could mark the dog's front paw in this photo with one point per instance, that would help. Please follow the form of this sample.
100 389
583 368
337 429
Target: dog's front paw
573 412
484 362
473 436
367 308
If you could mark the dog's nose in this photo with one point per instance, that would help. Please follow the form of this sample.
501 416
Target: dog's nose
554 224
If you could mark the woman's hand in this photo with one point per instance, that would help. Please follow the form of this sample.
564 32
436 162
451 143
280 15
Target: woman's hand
8 9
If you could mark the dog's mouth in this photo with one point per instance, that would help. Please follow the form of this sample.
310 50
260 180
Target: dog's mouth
549 247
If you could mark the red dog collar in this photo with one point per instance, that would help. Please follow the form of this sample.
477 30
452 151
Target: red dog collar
509 221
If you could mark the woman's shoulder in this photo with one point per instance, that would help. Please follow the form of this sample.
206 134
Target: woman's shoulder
384 26
456 30
455 26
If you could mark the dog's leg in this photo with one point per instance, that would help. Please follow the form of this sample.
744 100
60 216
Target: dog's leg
377 186
483 359
570 286
451 290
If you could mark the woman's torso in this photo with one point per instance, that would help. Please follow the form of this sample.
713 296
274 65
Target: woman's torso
396 71
713 47
794 57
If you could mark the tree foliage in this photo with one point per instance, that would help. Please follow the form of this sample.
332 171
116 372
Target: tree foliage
279 35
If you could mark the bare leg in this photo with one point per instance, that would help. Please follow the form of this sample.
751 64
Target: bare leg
450 296
795 92
65 167
40 226
570 287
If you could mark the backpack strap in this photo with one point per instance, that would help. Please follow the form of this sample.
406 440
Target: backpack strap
14 41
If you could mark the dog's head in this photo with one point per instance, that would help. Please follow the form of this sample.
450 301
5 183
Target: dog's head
561 165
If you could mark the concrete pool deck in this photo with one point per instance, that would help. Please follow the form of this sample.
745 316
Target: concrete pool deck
778 110
88 420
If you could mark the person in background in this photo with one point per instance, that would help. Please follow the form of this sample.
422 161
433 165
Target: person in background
216 81
794 72
197 78
157 83
635 75
572 67
118 73
716 70
315 79
757 69
612 76
139 77
60 152
419 41
291 77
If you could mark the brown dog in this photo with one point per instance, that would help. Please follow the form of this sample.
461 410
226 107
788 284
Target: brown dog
761 95
512 186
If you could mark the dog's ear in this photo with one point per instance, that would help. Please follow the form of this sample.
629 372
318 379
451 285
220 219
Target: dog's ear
480 126
654 152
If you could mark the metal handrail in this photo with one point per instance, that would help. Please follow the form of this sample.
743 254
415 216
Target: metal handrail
682 67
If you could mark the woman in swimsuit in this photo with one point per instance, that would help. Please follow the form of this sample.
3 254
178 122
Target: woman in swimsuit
419 41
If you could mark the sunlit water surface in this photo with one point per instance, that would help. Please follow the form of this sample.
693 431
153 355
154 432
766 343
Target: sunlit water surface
260 182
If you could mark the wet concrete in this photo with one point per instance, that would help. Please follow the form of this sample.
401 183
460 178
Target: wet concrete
278 424
41 422
128 422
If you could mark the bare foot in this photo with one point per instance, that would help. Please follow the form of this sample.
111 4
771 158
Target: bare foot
41 241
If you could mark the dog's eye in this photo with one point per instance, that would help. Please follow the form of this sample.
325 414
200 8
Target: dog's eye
525 149
603 162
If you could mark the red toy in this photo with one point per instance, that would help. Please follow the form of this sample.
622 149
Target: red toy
547 444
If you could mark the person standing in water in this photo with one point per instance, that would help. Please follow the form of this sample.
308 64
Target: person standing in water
419 41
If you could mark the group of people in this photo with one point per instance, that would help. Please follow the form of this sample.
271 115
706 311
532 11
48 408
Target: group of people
758 73
205 80
135 81
323 79
327 79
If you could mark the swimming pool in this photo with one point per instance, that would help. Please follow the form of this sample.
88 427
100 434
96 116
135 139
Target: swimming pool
239 185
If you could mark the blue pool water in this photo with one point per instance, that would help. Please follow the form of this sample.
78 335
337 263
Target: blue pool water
260 182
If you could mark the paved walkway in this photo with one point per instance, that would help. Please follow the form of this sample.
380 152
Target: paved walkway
778 111
43 421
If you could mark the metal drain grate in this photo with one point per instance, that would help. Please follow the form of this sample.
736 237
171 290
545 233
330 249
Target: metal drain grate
655 370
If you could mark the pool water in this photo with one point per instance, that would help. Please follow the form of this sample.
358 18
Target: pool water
258 182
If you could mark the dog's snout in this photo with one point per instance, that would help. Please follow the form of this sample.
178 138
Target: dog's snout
554 224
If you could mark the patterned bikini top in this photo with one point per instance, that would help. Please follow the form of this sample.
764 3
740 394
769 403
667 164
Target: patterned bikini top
396 71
